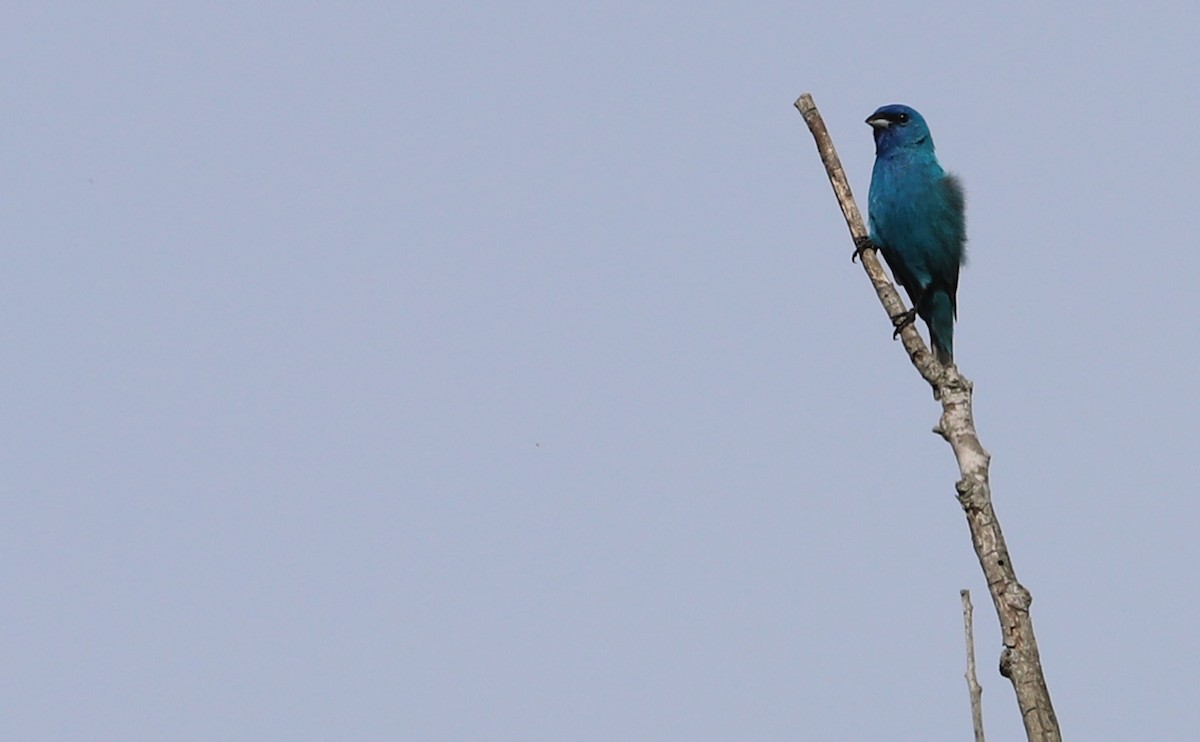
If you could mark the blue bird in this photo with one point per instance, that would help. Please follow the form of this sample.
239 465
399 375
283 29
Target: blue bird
918 222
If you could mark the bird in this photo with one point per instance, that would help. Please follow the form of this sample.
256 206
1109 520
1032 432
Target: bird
917 220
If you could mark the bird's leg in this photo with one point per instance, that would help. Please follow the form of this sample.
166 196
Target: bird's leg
861 245
902 320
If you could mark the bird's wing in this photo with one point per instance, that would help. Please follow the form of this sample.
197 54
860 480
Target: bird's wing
948 224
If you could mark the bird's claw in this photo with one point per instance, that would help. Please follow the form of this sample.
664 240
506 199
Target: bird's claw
861 245
902 320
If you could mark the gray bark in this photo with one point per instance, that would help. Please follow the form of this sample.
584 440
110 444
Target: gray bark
1019 660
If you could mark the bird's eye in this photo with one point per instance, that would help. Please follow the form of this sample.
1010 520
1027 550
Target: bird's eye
902 118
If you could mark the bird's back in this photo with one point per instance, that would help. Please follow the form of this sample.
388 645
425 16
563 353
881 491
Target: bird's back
916 218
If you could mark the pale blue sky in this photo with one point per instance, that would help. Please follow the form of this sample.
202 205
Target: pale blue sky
412 371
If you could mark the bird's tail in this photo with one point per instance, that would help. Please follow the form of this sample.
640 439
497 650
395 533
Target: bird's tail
941 327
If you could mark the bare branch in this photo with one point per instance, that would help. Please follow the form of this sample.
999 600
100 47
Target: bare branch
972 681
1019 661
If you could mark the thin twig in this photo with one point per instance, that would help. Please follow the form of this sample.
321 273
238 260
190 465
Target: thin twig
1020 661
972 680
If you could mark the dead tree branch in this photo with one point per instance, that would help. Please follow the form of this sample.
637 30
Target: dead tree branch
1019 661
972 680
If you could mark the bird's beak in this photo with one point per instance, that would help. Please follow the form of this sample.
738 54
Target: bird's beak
878 122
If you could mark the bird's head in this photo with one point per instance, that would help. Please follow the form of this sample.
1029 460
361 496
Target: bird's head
897 126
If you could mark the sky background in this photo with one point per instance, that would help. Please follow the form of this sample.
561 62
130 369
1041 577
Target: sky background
440 371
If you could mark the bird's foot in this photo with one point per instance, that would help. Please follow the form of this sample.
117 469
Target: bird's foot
861 245
902 320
